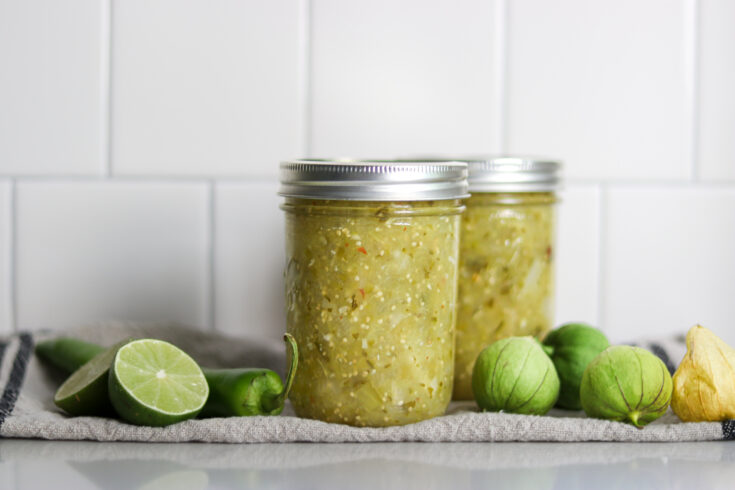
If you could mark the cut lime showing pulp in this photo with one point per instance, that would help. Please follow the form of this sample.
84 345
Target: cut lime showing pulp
85 391
155 383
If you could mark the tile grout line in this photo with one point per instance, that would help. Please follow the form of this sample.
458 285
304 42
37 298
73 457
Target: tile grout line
501 74
602 252
691 43
211 257
107 84
305 59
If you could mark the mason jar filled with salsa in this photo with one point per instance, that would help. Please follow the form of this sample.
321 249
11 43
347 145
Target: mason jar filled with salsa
506 265
372 251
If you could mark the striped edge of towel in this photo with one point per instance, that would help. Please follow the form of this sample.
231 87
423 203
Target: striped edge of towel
19 348
728 430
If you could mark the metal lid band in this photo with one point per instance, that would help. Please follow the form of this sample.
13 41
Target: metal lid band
513 174
374 180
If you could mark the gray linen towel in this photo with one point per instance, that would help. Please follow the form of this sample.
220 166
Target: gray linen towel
27 409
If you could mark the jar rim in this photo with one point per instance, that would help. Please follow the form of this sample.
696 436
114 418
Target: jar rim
510 173
374 180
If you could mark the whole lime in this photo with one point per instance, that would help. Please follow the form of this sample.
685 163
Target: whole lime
515 375
627 384
573 346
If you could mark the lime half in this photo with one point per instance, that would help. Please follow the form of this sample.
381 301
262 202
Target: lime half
155 383
85 391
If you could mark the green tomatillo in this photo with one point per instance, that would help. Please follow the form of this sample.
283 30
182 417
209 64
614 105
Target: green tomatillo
626 384
515 375
571 348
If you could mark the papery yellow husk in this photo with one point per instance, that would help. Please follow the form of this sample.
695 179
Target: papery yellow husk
704 383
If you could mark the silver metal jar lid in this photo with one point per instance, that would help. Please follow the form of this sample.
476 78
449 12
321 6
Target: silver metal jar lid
512 174
374 180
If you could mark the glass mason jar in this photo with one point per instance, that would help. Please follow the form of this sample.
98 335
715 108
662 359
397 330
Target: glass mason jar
372 253
506 266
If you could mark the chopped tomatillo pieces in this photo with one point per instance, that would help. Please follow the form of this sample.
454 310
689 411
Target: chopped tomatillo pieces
374 319
506 275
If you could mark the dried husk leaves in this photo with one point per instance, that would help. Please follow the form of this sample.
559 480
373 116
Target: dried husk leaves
704 383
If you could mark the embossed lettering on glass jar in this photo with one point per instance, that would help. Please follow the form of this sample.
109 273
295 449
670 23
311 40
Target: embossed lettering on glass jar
506 279
371 283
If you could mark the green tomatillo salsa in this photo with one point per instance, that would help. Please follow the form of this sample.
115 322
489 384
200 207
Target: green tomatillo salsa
370 297
506 280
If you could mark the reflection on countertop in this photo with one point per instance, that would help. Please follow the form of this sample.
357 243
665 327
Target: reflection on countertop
32 464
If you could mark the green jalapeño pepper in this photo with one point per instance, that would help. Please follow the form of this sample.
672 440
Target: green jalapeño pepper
232 392
249 391
67 354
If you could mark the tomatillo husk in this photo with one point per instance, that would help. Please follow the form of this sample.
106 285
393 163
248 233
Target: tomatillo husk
515 375
704 383
626 384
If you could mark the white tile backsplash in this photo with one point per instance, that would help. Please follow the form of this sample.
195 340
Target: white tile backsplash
52 87
395 78
249 251
717 90
92 251
669 261
577 255
205 88
602 85
6 321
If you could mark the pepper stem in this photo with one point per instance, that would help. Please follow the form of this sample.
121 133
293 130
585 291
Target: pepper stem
278 401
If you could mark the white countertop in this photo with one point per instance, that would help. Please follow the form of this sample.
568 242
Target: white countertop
33 465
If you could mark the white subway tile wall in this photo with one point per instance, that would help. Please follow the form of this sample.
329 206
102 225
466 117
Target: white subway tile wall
391 80
717 90
205 88
116 250
249 247
578 255
53 87
669 260
602 85
139 143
